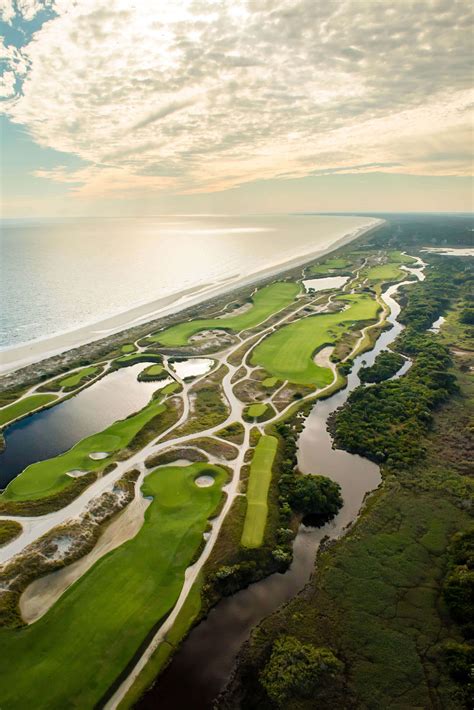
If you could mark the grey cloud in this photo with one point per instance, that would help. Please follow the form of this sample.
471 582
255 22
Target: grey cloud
164 111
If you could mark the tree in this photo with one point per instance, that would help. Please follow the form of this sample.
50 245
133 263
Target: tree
297 669
315 495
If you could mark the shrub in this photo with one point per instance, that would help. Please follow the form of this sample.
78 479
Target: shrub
315 496
297 669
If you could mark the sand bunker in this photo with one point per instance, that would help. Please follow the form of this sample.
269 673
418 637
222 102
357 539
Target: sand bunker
99 455
322 357
76 472
204 481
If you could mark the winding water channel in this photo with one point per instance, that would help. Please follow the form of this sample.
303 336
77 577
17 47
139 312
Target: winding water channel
53 431
207 656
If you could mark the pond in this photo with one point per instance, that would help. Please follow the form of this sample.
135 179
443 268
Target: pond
53 431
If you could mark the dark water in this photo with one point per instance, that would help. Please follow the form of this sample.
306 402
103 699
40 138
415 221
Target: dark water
204 662
55 430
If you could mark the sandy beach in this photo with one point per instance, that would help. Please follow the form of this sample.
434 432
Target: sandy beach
19 356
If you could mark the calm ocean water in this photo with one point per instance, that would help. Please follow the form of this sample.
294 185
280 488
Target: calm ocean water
57 276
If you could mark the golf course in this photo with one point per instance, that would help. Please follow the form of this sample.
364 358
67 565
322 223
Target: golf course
265 302
288 353
100 622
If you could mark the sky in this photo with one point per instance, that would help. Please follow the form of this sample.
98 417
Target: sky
116 108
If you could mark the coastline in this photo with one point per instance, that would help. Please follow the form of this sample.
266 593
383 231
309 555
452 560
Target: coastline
17 357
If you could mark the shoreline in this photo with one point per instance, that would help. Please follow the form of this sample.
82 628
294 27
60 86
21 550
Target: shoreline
19 356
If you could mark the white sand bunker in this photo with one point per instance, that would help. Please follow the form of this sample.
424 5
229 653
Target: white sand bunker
76 472
99 455
204 481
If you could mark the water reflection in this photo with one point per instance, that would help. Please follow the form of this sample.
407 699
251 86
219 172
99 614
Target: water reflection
55 430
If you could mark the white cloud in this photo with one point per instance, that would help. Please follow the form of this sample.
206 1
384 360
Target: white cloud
196 95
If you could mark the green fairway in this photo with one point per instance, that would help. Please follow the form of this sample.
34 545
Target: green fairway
288 353
400 258
266 301
24 406
71 656
386 272
257 492
256 410
75 379
47 477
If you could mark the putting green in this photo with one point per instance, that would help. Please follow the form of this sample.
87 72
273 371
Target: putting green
24 406
257 491
269 381
47 477
256 410
265 302
288 353
74 379
330 264
400 258
71 656
128 348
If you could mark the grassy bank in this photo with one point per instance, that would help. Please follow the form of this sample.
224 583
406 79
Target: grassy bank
53 664
24 406
46 478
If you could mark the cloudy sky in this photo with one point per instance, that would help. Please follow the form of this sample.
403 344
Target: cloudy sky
113 107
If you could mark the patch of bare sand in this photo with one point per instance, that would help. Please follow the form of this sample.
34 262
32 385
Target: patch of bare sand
322 357
41 594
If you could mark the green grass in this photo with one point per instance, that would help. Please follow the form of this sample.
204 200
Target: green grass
266 301
74 379
329 264
256 410
270 381
386 272
24 406
47 477
184 621
71 656
257 492
400 258
135 358
154 372
128 348
288 353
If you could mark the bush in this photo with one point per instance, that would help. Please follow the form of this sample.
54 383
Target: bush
297 669
315 496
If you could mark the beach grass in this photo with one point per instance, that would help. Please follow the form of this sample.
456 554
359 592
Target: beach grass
73 654
257 492
288 353
45 478
268 300
24 406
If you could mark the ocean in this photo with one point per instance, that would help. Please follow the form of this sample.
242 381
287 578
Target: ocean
57 276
